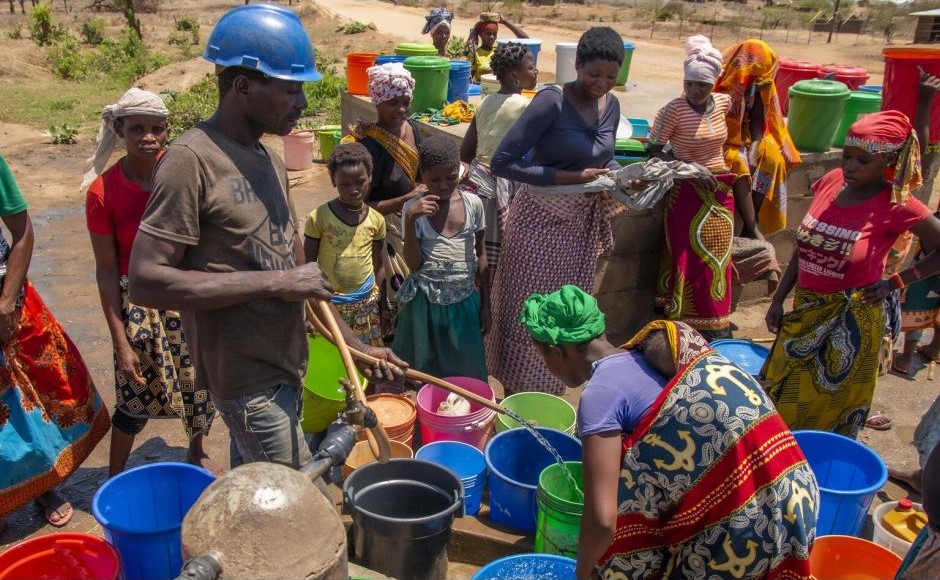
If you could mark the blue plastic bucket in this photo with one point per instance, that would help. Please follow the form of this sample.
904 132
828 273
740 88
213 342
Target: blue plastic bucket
748 355
515 459
534 45
849 474
141 511
528 567
466 462
458 83
382 59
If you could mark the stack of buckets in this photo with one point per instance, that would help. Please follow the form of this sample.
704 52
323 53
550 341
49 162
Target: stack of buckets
472 428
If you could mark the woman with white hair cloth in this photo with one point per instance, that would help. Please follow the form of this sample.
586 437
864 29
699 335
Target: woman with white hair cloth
393 141
438 25
695 282
154 375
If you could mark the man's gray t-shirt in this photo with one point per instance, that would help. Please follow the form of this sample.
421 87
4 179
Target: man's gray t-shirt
228 204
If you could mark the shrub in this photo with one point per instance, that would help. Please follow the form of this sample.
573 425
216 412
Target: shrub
16 32
69 61
63 134
42 28
93 31
355 28
178 39
323 97
188 24
120 63
456 47
191 106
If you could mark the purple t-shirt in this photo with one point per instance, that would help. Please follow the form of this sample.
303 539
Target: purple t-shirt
622 389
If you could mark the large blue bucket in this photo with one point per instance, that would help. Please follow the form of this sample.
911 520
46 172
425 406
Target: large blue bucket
533 44
514 460
467 463
384 58
528 567
458 83
141 511
849 474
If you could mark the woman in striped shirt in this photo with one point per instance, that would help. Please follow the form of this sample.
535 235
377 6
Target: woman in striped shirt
695 282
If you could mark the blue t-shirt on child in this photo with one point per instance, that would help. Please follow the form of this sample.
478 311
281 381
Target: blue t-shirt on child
621 390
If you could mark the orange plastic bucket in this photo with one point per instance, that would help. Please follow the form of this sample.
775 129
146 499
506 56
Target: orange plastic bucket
901 80
396 413
357 81
848 557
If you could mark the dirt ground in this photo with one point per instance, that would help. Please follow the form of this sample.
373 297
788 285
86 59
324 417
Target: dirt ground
63 265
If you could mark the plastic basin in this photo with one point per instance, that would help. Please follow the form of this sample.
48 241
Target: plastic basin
747 355
528 567
61 556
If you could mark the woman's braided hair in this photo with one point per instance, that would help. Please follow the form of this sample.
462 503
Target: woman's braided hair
507 58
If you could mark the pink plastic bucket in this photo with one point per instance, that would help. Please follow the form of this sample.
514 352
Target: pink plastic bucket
472 428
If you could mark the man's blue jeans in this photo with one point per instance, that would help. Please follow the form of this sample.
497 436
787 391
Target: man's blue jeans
265 426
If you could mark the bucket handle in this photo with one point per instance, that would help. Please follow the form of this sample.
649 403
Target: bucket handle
348 493
458 497
475 426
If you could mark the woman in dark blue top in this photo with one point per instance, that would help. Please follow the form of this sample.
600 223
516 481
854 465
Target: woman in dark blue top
551 241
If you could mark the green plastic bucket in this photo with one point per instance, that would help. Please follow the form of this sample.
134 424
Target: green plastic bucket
624 72
415 49
559 511
324 398
816 108
329 136
543 409
859 103
431 74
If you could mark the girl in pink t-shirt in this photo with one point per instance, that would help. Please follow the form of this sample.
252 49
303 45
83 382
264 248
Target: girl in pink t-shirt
822 369
154 375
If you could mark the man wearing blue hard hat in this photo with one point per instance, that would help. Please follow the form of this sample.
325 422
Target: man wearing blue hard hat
219 239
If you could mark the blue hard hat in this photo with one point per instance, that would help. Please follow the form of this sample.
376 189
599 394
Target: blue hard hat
266 38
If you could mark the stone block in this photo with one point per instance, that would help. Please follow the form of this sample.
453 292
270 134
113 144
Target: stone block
623 273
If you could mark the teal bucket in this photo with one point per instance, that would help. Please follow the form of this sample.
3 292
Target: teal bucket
558 523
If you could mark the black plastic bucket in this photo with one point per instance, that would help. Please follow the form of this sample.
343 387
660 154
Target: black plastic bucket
402 513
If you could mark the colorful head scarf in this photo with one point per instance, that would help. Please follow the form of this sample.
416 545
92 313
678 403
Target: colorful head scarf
389 80
702 61
484 25
437 18
567 316
134 102
887 132
751 65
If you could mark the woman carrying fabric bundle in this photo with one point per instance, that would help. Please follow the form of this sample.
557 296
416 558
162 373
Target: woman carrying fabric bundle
392 141
552 240
695 283
822 370
438 24
154 376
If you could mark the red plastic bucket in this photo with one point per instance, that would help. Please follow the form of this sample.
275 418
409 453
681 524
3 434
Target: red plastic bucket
357 81
901 80
65 556
852 76
788 73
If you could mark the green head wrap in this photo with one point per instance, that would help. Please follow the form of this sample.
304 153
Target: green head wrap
567 316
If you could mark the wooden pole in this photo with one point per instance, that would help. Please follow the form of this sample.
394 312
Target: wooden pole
835 21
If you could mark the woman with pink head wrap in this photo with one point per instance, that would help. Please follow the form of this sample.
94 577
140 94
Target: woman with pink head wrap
695 285
392 141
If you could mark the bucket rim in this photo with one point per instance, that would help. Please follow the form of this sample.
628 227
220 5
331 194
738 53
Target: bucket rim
844 537
492 468
50 541
507 559
882 477
455 506
475 451
554 500
110 526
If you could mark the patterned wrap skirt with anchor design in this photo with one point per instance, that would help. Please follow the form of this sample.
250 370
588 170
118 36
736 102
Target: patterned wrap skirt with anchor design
172 390
712 483
823 366
695 276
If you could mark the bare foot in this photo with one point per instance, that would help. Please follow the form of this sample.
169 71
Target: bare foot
56 509
909 477
202 459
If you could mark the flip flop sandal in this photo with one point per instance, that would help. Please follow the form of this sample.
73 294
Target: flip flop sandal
49 513
879 422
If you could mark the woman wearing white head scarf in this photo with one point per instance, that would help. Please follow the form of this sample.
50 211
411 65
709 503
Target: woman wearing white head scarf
153 373
695 284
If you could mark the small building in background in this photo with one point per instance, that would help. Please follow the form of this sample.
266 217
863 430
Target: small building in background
928 26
